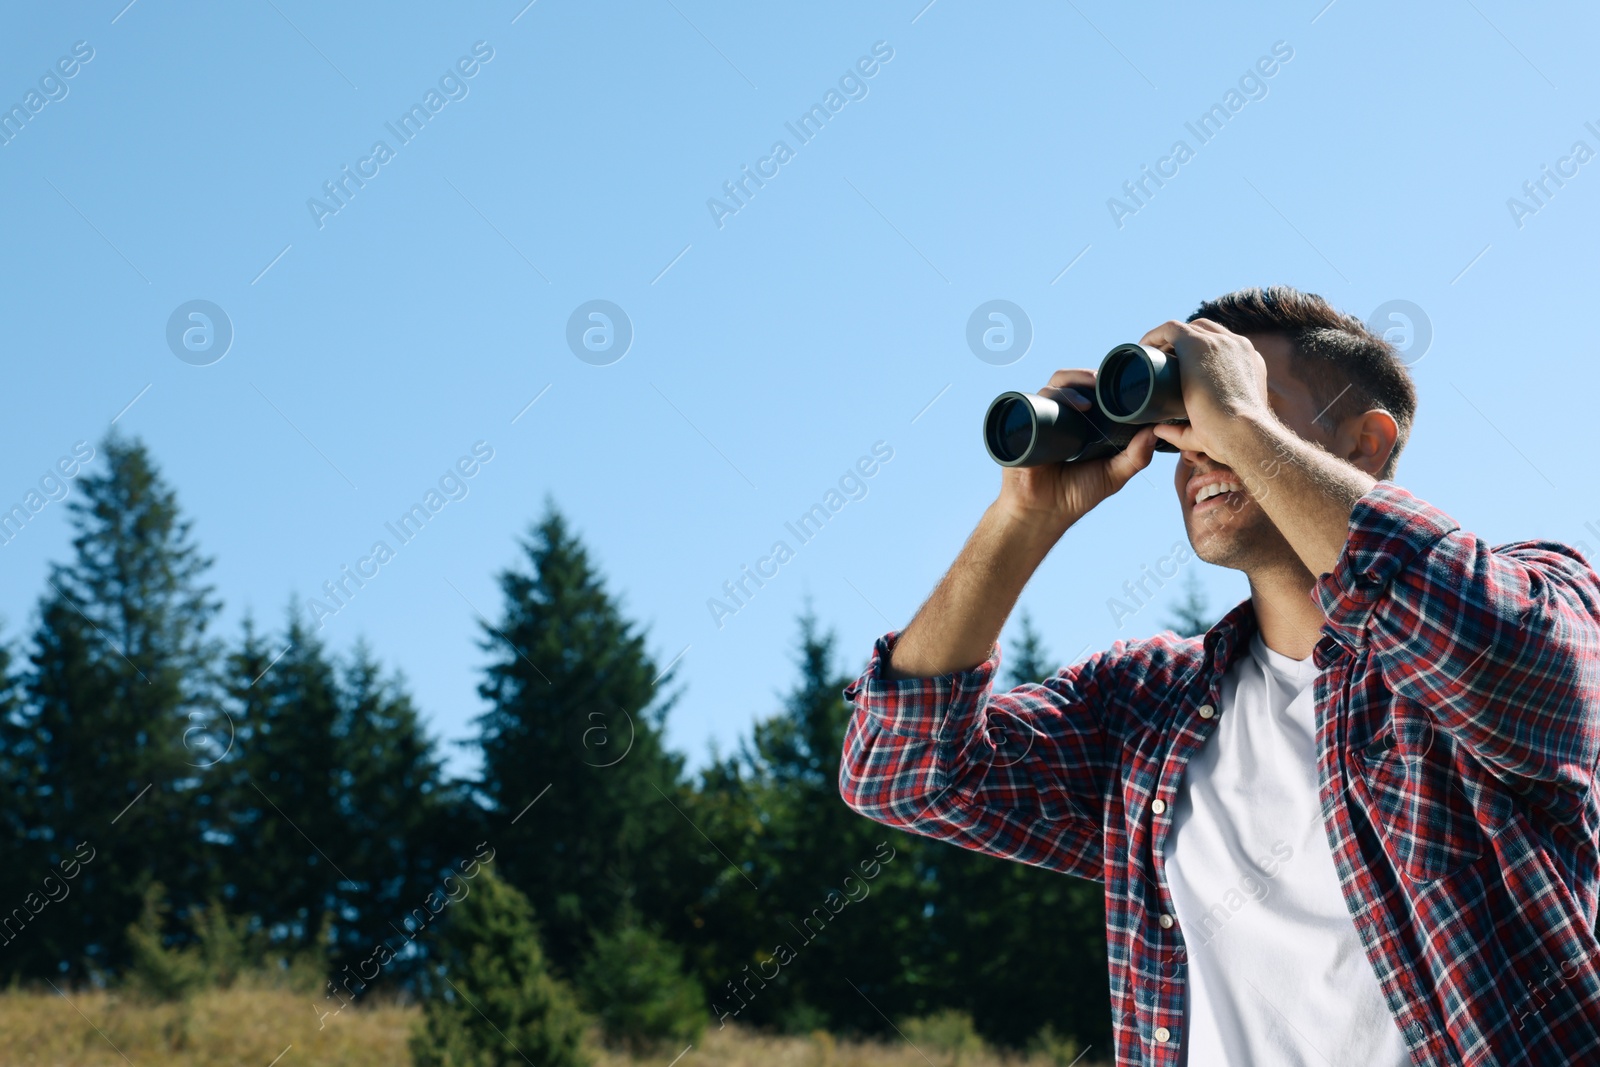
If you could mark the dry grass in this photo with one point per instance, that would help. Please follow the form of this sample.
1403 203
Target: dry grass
256 1026
232 1026
734 1047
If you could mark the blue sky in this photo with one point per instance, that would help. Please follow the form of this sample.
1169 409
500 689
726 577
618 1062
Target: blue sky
772 347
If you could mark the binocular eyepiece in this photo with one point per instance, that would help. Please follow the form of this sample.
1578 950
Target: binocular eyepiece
1135 386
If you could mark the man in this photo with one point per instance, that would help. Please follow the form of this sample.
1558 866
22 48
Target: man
1354 823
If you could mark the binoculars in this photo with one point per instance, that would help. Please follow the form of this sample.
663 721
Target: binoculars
1135 386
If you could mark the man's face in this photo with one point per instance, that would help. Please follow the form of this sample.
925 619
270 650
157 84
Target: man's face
1231 529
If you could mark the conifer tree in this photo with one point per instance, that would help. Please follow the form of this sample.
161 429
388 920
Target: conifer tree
1192 615
406 824
289 840
491 999
122 671
1029 662
19 788
337 800
633 982
585 800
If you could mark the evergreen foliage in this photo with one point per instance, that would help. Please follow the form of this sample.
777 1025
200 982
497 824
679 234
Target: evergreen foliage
575 725
1192 615
492 999
634 983
1029 662
179 810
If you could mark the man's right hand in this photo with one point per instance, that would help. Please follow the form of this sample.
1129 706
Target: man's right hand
958 625
1056 495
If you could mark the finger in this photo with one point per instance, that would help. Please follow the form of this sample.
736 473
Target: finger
1134 457
1080 397
1074 387
1182 435
1166 335
1075 376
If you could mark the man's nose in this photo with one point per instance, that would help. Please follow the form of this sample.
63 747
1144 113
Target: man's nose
1192 457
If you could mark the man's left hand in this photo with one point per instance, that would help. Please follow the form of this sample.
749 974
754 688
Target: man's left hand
1224 385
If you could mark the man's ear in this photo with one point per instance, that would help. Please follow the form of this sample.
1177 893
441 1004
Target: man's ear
1367 440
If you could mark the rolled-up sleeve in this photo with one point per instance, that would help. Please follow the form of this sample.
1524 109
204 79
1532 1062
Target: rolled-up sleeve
1018 774
1500 643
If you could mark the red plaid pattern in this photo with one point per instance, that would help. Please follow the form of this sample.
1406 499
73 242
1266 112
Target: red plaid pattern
1458 726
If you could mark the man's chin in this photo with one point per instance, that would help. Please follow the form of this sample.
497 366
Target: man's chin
1224 534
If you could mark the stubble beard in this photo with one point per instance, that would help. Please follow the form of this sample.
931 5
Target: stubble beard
1240 538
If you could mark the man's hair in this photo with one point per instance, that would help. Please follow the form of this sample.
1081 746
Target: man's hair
1347 368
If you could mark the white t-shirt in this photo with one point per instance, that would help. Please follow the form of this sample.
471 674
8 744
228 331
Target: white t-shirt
1277 976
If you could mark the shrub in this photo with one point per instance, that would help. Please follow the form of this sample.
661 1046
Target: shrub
158 972
494 1001
634 982
222 949
948 1031
1060 1050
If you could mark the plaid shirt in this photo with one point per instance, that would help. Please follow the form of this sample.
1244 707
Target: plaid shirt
1458 726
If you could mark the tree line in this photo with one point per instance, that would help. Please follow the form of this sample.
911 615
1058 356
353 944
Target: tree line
168 788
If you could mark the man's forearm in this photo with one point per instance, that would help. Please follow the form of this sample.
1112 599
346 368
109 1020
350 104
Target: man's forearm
1307 492
958 625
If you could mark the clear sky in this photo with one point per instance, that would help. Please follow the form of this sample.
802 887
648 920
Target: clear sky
569 154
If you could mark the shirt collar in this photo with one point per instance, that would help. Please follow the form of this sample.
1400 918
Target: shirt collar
1229 638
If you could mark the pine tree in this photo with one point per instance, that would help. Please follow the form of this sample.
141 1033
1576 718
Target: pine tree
19 789
406 824
290 846
1192 616
634 983
582 791
122 671
339 810
1029 660
492 999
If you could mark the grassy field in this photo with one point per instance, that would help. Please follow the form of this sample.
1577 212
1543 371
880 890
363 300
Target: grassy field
261 1027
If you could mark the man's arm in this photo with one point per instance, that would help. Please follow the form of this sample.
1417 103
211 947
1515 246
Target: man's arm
958 625
1501 645
929 749
1307 492
1019 775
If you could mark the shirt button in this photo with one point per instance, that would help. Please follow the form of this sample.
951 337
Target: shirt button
1166 922
1158 806
1206 711
1163 1034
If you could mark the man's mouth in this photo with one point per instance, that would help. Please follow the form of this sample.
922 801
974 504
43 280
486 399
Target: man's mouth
1223 491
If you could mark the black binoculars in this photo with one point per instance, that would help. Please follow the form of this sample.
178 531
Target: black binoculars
1135 386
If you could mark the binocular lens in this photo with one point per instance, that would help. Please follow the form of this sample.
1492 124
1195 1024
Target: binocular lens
1136 385
1125 384
1011 429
